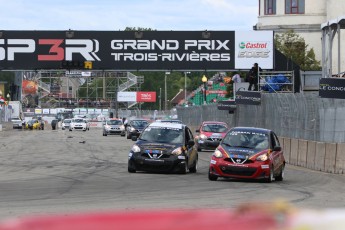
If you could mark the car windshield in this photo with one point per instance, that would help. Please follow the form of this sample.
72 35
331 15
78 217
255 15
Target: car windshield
247 139
67 121
114 122
163 135
139 123
78 120
214 128
32 121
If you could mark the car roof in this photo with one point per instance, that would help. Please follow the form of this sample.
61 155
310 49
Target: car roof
214 122
167 124
251 129
171 120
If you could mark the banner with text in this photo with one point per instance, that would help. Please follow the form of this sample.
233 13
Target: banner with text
332 88
135 50
136 96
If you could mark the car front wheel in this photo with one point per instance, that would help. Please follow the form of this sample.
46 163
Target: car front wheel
195 167
271 176
280 177
131 167
212 177
185 168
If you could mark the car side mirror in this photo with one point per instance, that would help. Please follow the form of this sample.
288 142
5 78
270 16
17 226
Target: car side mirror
134 138
277 148
197 131
191 143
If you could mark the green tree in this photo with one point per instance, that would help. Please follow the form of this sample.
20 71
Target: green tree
8 78
293 46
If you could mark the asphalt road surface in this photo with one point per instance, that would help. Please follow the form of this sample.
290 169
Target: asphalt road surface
56 171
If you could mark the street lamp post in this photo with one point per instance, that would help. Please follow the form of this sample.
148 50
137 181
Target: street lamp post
165 91
160 99
204 80
185 86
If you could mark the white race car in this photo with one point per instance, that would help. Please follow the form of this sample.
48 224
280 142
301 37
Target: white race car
78 124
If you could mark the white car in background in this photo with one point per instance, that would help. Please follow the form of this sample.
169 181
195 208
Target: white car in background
66 124
17 123
78 124
87 123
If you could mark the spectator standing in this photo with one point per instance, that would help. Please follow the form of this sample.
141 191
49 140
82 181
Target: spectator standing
254 77
236 78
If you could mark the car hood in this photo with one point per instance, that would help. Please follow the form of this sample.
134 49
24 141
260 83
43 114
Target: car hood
235 152
138 127
115 126
78 123
156 147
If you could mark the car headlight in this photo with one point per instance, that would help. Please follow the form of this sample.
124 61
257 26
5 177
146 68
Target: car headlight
177 151
217 154
135 149
122 127
203 136
132 129
262 157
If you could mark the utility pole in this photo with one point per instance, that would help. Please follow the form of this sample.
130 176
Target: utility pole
160 99
166 92
185 86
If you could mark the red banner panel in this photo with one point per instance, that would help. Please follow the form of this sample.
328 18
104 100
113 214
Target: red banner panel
146 96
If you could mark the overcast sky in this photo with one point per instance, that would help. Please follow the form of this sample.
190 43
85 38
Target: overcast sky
119 14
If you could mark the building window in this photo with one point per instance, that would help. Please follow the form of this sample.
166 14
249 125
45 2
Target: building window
294 6
270 7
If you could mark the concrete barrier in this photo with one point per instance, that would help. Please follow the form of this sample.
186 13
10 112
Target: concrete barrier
302 153
294 152
286 142
340 159
320 156
330 156
311 151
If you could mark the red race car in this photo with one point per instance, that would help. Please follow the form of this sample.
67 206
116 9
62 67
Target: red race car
248 153
210 133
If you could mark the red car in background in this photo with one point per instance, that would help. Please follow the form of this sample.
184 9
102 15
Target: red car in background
248 153
209 134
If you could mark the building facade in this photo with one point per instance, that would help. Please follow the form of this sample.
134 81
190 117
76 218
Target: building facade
305 18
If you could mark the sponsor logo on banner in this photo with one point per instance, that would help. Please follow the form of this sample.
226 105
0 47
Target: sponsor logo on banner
254 47
38 111
248 98
229 105
332 88
127 96
136 96
146 96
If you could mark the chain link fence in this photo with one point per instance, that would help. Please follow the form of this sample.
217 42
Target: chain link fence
301 116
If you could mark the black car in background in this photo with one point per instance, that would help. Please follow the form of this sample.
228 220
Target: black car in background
164 147
135 127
